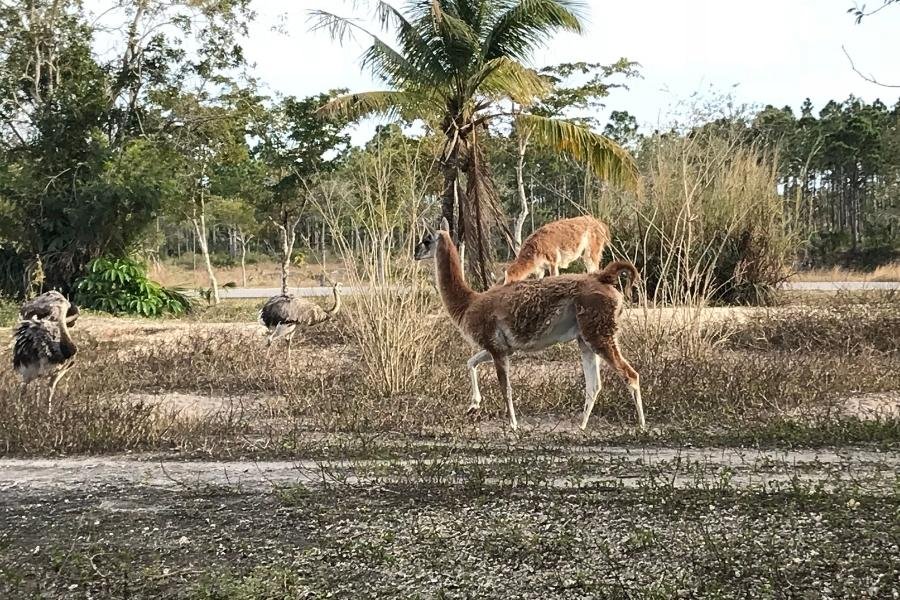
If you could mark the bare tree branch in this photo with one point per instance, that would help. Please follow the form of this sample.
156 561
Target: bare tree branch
860 11
868 78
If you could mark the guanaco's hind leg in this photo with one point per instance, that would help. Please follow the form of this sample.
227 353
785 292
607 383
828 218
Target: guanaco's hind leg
477 359
501 363
590 364
610 353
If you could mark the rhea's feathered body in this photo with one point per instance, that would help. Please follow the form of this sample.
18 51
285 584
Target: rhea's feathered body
42 345
283 314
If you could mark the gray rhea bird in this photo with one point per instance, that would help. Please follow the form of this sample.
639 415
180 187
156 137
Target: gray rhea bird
283 314
42 346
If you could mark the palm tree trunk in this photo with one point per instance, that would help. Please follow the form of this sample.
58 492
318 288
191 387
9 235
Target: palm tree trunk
450 194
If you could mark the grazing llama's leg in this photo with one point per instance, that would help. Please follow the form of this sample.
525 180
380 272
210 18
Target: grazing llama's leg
56 379
612 356
590 364
501 363
473 363
554 269
591 258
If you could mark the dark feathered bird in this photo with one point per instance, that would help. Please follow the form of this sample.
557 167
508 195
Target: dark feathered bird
283 314
42 345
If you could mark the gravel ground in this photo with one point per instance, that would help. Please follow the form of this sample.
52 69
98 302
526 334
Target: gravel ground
627 523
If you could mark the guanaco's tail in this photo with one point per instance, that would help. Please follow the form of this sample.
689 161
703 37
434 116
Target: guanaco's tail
611 272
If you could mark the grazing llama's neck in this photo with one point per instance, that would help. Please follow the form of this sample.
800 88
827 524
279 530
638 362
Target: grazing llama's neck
455 293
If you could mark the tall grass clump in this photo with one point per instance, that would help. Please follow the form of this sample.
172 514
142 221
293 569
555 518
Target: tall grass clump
709 224
394 324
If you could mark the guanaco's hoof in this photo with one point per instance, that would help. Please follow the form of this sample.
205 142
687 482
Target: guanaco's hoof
472 410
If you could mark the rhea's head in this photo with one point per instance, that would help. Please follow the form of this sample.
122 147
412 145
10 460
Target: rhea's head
50 305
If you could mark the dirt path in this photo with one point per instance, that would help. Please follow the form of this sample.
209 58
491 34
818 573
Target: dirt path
686 466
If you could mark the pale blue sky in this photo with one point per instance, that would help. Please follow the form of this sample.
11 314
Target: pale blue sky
763 51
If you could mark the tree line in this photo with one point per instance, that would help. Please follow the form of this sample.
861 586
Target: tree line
166 145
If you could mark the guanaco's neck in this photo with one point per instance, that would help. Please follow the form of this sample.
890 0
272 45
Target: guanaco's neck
455 292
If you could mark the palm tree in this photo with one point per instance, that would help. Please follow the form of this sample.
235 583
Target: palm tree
458 64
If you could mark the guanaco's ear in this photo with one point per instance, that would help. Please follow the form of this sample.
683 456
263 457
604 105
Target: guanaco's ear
445 226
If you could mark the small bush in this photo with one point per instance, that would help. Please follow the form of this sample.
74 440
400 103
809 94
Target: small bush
9 312
223 260
121 286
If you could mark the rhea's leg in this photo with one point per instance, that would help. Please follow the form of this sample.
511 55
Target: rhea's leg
56 379
501 363
590 365
477 359
278 332
290 340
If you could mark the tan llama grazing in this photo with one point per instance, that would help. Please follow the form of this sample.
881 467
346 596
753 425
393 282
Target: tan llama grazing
556 245
532 315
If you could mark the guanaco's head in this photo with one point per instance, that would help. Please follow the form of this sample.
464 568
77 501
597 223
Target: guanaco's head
427 246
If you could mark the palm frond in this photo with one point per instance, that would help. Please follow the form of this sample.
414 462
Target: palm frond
505 78
459 42
527 24
339 28
606 158
387 103
419 49
389 65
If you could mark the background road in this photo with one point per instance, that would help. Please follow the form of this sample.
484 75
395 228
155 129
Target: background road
311 292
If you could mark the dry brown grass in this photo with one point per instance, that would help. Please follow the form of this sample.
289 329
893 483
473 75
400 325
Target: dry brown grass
213 387
890 272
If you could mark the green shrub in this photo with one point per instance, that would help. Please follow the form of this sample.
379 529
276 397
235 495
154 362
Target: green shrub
121 286
9 312
222 260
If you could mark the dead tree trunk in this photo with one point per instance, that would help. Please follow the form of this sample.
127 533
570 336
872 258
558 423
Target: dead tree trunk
243 239
288 230
199 221
520 186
